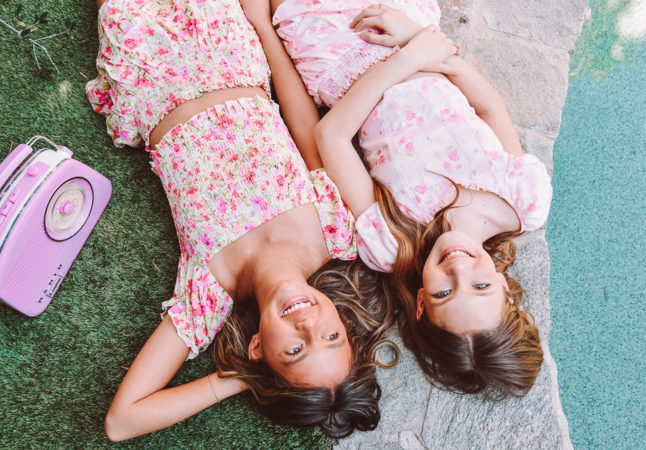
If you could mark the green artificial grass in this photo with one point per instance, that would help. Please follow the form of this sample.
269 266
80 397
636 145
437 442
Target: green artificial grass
59 371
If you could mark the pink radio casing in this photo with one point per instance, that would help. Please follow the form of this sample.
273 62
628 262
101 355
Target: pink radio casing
32 265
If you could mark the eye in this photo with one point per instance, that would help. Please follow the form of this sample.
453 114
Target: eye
481 286
332 337
441 294
295 351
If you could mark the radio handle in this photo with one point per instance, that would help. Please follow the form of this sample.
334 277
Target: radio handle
12 161
37 138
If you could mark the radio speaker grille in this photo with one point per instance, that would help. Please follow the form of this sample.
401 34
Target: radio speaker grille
34 268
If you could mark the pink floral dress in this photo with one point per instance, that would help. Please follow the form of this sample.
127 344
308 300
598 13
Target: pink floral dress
226 170
423 132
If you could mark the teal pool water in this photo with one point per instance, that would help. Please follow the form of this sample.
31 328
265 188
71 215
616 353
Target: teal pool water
597 240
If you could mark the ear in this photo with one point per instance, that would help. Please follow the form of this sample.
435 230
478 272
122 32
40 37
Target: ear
505 286
255 352
420 303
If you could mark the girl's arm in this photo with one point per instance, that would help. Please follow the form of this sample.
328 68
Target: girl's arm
335 131
142 405
298 109
487 103
397 29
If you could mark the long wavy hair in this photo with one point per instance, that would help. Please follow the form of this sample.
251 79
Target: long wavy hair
366 305
503 361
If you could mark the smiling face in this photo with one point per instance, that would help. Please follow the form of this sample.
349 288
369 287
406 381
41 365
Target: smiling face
302 337
462 291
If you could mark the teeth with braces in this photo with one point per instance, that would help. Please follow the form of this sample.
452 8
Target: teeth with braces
296 306
457 252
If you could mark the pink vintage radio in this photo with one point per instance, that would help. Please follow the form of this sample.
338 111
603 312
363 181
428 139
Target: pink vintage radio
49 204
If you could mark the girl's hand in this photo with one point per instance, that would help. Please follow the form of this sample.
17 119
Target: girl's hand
429 49
258 12
395 27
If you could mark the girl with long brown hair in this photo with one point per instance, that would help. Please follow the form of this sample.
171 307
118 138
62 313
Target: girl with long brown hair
450 185
189 79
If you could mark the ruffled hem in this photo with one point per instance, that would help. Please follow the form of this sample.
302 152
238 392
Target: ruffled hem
175 317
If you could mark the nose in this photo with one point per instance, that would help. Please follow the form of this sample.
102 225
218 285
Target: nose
307 324
459 266
460 271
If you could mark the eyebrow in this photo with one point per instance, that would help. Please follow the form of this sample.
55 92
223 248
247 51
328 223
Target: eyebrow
337 344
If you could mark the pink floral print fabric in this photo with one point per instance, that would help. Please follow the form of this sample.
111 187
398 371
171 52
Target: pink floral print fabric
423 134
225 172
327 53
155 55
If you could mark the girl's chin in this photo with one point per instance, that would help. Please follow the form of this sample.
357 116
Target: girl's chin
455 239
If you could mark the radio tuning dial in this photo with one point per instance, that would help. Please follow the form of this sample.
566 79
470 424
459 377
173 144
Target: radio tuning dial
67 208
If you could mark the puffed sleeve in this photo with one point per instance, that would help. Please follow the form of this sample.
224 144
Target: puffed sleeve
528 189
376 244
199 305
336 218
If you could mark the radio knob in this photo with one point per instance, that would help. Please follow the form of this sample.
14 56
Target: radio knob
67 208
33 171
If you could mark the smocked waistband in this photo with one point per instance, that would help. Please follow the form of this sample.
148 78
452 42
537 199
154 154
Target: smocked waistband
230 107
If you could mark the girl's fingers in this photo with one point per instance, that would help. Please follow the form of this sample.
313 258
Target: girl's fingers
381 39
368 22
448 70
363 14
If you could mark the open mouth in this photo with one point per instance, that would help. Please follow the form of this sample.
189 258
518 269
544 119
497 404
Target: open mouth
454 253
295 305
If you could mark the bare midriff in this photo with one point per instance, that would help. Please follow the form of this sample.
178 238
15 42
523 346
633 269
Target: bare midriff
188 109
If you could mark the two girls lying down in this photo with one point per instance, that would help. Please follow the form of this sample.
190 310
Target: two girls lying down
189 80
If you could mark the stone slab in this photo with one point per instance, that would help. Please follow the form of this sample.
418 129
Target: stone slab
473 422
521 48
553 22
532 270
538 145
456 18
532 78
403 404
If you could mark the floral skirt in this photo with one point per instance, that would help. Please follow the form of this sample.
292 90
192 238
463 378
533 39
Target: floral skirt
156 54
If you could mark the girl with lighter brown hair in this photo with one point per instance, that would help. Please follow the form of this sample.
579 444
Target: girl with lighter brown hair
449 186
